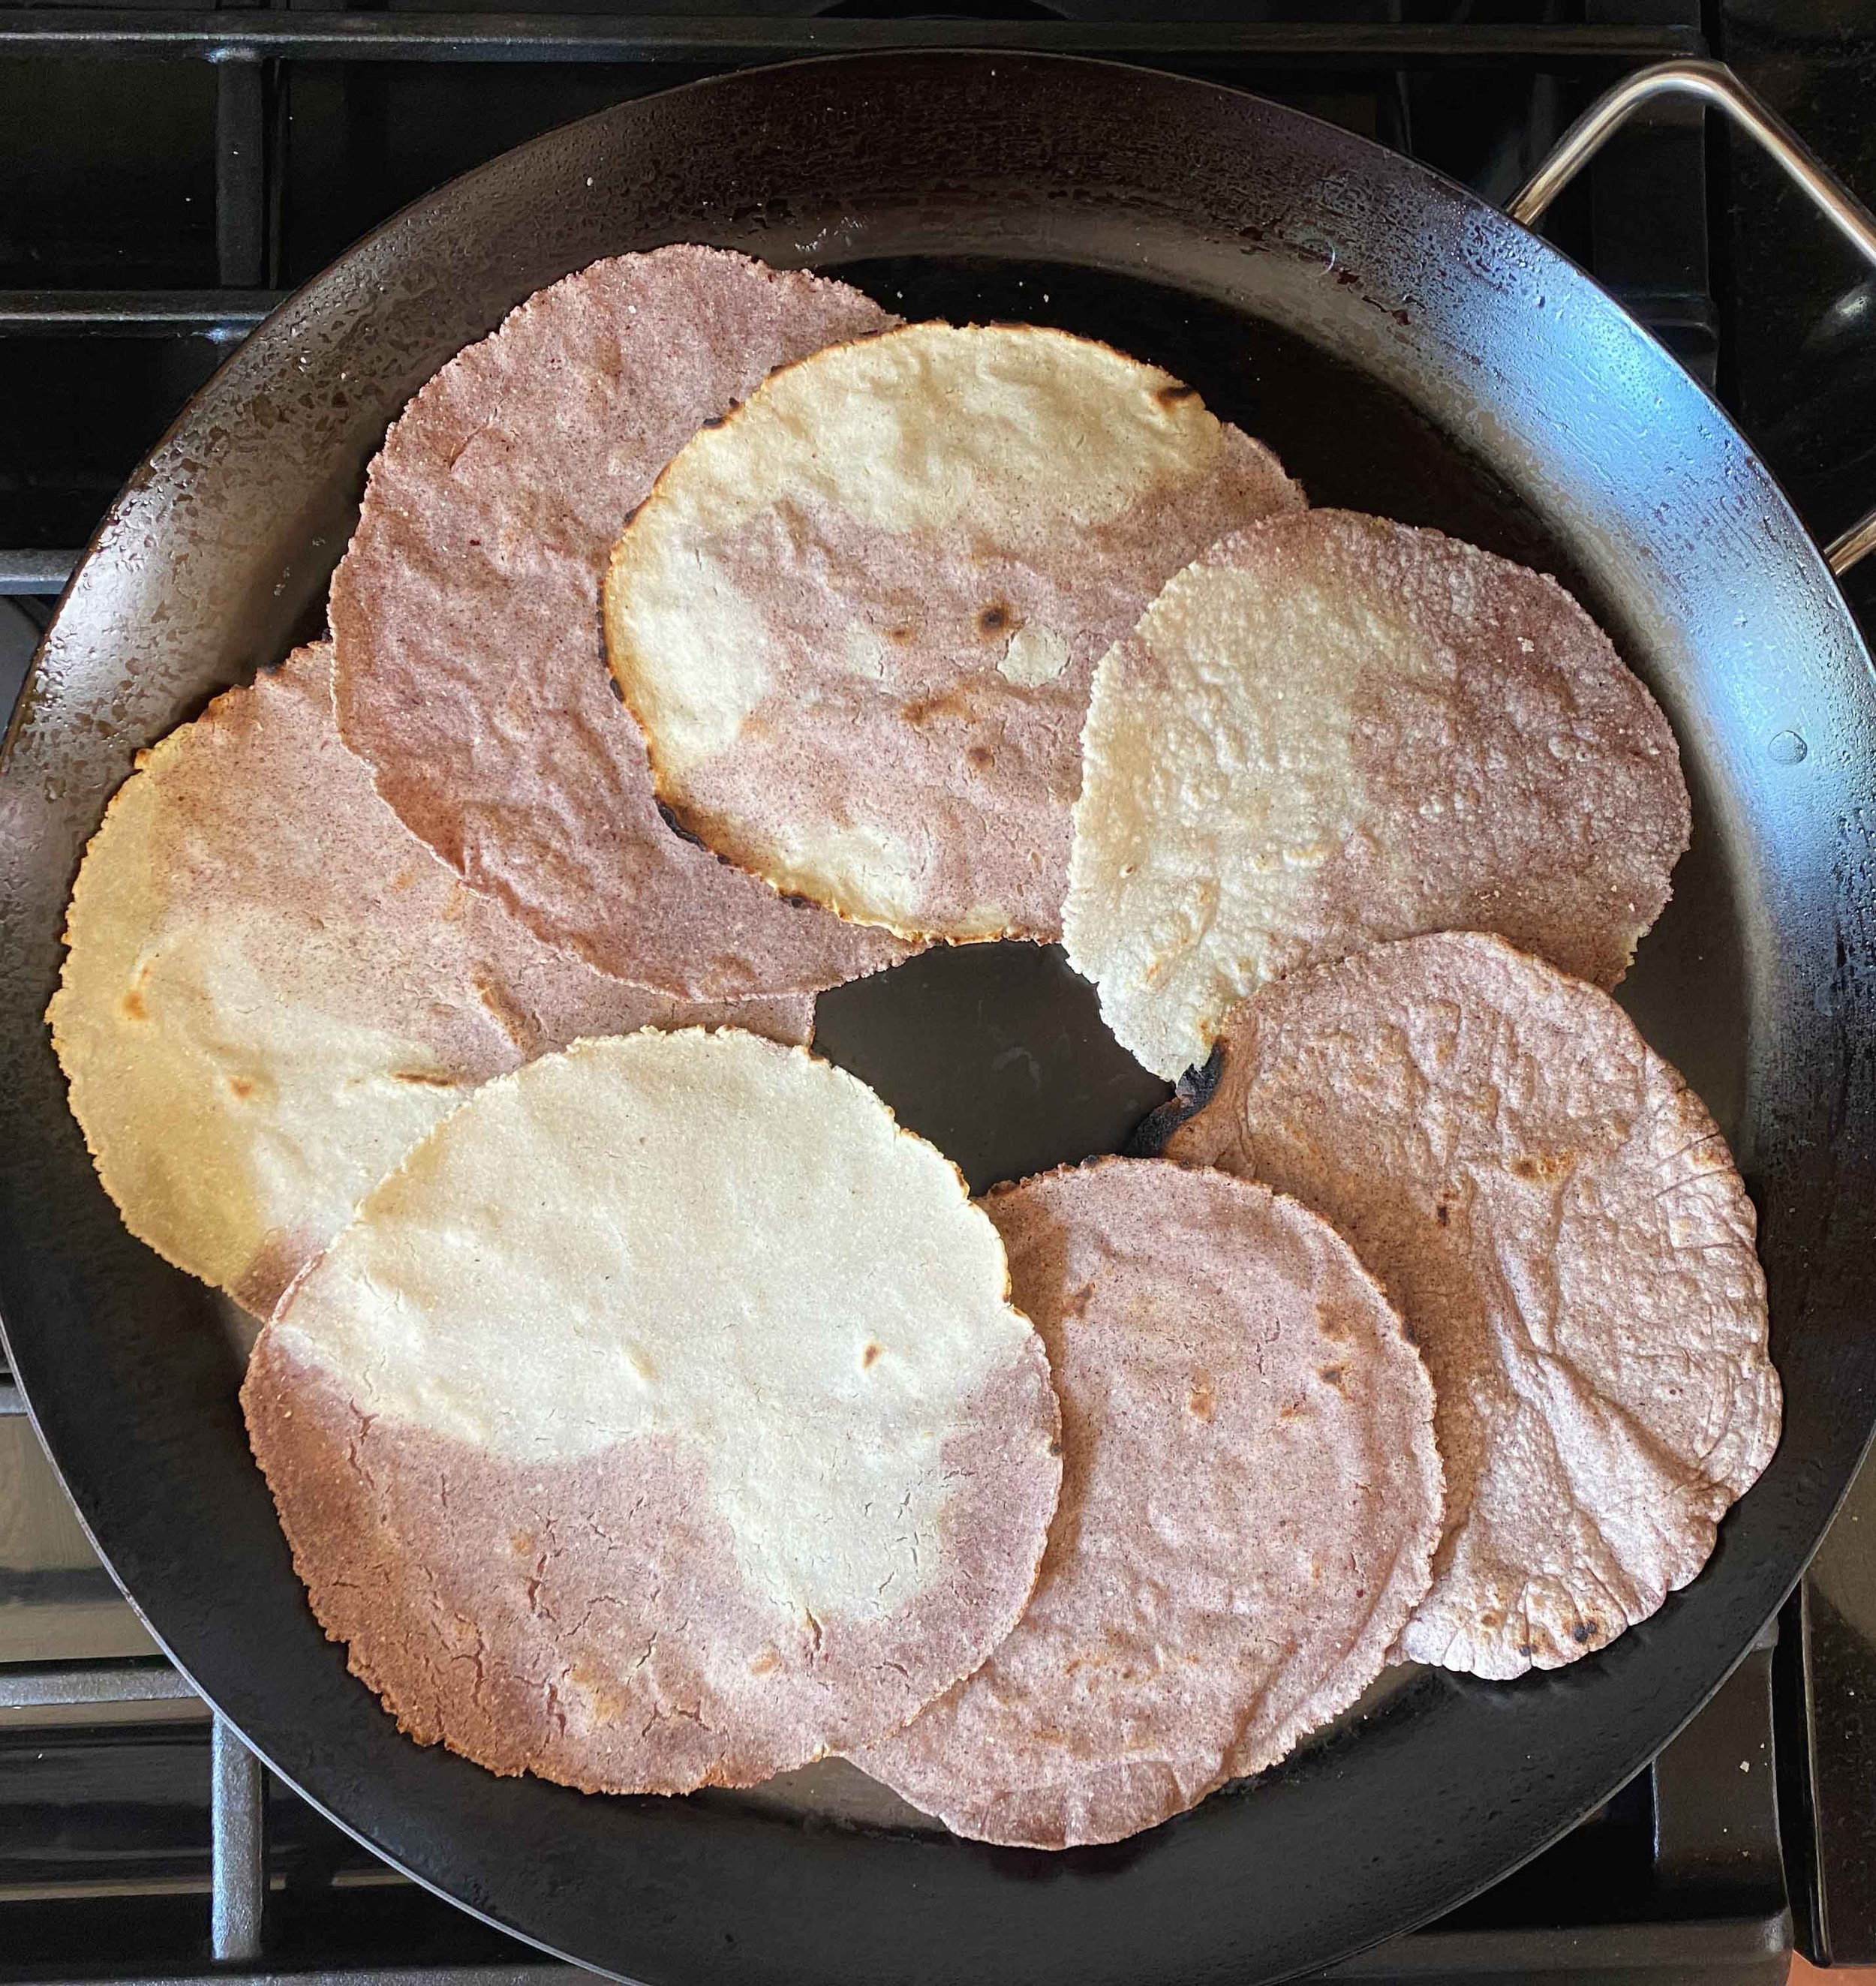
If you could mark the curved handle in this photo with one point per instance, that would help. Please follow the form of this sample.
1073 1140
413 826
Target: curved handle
1712 82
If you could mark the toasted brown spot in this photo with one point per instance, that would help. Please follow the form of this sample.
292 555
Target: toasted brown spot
1332 1375
1202 1398
241 1086
522 1544
507 1013
1171 396
766 1664
978 755
1443 1213
1544 1165
423 1079
603 1700
132 1006
869 1357
995 619
955 702
1584 1631
1075 1304
901 635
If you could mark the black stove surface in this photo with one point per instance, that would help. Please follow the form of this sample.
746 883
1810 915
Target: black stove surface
167 171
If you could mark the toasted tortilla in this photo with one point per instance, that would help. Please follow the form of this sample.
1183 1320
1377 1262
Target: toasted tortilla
1249 1502
1562 1226
663 1421
857 621
471 672
272 990
1330 731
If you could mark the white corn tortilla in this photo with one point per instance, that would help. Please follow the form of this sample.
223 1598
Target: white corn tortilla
662 1422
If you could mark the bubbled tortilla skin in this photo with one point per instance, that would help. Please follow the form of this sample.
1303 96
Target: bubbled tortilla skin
335 916
487 520
1560 1221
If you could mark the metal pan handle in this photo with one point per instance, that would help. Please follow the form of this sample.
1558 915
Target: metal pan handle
1713 82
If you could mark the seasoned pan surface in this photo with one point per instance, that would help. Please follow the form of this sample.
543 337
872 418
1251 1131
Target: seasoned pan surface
1406 349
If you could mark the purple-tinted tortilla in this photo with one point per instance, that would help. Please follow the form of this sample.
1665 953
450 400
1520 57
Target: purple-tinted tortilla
1562 1225
471 672
1249 1502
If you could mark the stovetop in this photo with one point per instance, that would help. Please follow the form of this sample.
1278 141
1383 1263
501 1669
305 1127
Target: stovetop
167 171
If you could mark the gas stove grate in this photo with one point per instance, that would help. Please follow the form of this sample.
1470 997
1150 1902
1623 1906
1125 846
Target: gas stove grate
263 64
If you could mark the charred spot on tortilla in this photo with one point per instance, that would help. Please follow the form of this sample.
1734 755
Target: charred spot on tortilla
676 826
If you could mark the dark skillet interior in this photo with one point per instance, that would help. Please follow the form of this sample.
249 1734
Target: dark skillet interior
1183 222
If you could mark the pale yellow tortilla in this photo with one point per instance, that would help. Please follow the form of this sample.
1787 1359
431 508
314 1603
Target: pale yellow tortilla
272 989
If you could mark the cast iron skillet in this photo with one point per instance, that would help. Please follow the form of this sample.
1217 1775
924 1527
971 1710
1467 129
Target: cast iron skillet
1406 350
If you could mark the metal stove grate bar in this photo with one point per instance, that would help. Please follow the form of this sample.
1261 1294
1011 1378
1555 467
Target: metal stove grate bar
233 37
247 47
44 574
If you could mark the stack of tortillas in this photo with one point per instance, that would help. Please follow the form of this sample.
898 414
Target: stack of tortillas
644 1407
